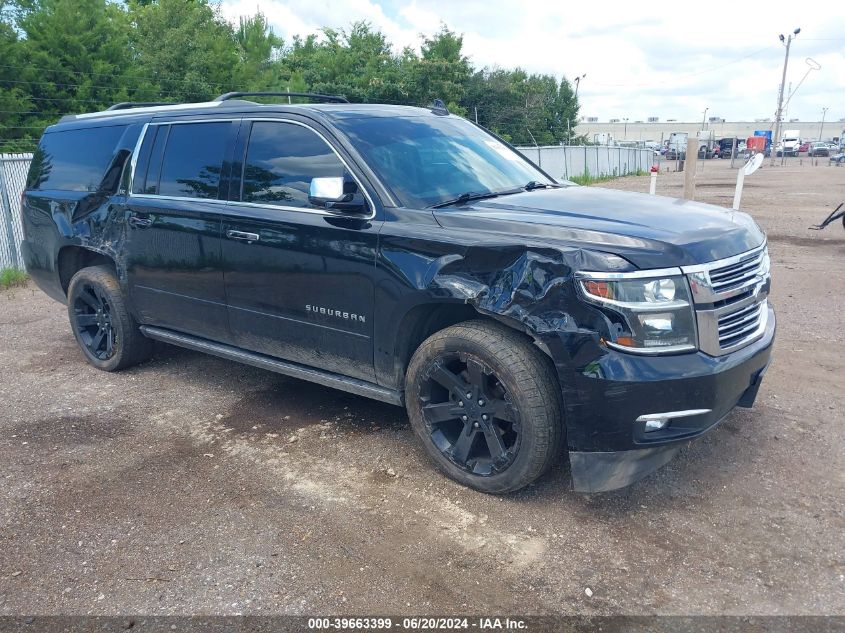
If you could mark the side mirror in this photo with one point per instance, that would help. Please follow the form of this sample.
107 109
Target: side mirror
337 193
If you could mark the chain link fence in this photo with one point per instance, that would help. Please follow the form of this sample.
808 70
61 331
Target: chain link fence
13 170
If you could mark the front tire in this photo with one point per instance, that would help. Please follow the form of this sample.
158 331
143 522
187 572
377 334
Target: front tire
106 332
486 405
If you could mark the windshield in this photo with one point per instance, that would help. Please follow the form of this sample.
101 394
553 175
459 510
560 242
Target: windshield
428 160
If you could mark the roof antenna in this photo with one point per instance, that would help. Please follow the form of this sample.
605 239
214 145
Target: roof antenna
438 107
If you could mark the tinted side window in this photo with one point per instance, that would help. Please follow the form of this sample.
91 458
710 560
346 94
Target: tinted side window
193 160
281 160
74 160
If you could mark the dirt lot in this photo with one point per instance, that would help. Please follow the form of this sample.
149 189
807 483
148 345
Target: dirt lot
195 485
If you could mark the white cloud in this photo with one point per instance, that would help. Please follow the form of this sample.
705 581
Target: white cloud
641 59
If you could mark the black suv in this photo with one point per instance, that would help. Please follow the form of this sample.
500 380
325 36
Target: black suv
408 255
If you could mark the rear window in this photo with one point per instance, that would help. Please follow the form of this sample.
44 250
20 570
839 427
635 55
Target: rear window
193 160
73 160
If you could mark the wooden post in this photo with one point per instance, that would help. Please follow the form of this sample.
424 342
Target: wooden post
689 168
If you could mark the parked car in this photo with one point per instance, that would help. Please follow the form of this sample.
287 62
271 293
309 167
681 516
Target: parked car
804 147
407 255
819 149
837 158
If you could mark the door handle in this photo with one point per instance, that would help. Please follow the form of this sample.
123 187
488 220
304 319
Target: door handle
140 221
241 235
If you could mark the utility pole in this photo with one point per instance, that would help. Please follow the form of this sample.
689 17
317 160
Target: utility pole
625 133
821 126
704 119
786 42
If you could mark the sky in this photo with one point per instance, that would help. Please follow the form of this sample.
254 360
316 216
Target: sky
672 60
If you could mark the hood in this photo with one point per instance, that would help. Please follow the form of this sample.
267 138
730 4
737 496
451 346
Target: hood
649 231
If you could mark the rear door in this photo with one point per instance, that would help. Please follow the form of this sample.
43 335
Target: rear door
174 214
299 280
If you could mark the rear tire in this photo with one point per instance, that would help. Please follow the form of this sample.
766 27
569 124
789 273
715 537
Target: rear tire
486 405
106 332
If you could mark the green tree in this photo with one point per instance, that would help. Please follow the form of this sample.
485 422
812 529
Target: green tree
185 47
522 108
259 49
69 56
357 63
15 104
77 56
440 72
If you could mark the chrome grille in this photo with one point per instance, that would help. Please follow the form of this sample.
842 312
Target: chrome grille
735 327
737 274
730 298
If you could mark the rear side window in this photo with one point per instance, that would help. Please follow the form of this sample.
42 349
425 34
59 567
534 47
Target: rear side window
281 160
192 160
73 160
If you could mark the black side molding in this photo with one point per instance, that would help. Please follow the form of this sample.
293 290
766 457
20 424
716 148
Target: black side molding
295 370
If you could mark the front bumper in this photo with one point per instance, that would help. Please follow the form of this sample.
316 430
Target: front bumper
609 448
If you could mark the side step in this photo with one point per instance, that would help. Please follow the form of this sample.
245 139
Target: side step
328 379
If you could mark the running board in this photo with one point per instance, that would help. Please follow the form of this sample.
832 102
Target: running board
327 379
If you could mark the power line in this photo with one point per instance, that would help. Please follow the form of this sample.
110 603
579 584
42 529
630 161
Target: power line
62 84
115 76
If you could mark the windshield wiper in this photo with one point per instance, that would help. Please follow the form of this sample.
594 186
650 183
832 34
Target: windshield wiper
468 196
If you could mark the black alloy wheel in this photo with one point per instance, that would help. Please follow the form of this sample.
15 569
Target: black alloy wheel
469 415
486 405
104 328
92 318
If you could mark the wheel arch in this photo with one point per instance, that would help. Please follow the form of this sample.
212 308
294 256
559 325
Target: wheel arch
71 259
425 319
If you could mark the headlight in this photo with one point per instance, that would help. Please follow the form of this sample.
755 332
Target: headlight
649 315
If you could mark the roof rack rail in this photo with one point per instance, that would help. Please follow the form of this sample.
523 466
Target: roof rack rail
310 95
126 105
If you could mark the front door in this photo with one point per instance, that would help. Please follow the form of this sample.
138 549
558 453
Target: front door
173 218
299 280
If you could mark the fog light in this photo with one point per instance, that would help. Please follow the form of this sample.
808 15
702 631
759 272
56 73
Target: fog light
656 425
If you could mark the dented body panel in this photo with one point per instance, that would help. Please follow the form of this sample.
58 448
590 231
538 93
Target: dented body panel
352 296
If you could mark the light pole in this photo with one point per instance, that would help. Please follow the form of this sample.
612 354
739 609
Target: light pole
786 42
625 133
704 119
568 125
821 126
578 83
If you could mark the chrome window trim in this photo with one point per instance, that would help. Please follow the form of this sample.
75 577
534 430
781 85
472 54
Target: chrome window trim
134 160
634 274
155 196
322 136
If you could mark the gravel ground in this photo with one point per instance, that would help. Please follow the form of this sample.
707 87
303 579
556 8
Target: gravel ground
194 485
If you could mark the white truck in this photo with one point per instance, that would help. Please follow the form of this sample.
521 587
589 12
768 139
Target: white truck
790 141
706 143
677 145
